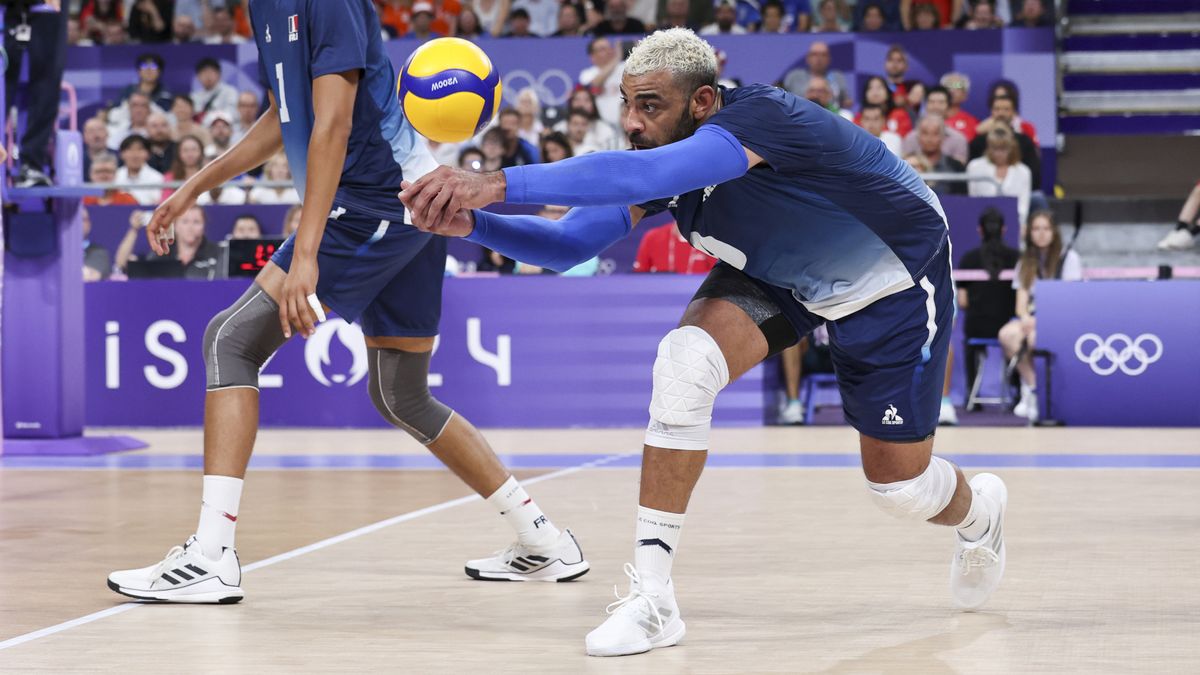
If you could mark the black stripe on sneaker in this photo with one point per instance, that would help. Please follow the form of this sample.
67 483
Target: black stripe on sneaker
519 566
655 542
181 573
537 558
195 569
173 580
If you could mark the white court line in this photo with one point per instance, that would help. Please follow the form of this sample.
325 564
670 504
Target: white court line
303 550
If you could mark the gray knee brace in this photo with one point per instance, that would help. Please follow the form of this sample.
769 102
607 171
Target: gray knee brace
240 339
399 388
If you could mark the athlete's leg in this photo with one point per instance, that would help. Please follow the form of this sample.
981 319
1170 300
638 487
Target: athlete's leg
908 481
231 413
450 437
892 358
731 325
238 341
669 475
401 321
887 462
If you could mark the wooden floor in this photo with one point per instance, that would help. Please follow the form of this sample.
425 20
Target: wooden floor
784 566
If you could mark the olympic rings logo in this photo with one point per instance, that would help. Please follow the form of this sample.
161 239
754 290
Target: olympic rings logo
553 87
1106 355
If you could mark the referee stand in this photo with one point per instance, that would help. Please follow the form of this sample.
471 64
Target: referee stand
41 309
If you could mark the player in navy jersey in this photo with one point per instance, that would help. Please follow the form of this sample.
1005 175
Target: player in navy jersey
814 221
334 112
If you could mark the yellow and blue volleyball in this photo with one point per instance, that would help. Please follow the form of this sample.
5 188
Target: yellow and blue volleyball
449 90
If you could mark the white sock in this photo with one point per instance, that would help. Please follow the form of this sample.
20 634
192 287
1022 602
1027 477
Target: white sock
523 515
657 540
977 521
218 514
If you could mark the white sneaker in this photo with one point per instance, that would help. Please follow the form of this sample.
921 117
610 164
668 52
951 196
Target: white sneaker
1177 240
1027 404
185 575
562 561
643 620
978 566
947 416
792 413
1027 407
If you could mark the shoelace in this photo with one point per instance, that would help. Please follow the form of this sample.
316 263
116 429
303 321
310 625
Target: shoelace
980 556
507 555
636 593
168 562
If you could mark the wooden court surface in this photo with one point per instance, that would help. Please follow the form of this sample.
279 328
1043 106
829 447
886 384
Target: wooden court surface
780 569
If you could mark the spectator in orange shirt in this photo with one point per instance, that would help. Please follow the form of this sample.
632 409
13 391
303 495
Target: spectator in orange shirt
396 16
664 249
104 170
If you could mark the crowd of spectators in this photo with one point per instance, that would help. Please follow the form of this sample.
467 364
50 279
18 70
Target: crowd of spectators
151 134
227 21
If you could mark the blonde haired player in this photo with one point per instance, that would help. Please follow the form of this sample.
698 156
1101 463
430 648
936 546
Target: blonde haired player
334 112
814 221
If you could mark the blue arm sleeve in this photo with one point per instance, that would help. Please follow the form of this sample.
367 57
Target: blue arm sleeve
554 244
710 156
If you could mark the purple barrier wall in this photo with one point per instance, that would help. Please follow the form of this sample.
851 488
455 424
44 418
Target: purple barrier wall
1025 56
1125 351
515 351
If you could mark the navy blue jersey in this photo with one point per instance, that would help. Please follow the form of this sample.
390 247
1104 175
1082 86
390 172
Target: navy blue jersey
300 40
830 214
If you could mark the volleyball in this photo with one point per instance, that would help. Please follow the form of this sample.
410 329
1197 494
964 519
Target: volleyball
449 90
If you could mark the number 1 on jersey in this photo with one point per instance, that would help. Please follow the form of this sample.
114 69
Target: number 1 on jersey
284 117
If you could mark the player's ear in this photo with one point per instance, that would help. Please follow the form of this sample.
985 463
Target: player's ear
703 101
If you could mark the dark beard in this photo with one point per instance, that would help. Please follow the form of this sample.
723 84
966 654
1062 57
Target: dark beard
685 126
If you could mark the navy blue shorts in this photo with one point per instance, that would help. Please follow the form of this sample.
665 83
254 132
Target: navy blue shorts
387 276
889 357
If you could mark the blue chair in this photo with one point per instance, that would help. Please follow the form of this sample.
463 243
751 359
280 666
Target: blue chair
811 384
981 356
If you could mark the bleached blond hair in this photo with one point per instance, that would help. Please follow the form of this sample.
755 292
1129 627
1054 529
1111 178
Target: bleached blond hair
690 60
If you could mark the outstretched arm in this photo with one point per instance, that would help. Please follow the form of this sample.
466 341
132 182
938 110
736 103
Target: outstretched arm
710 156
555 244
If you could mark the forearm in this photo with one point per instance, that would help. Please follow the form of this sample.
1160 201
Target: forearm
125 248
555 244
497 26
260 143
709 157
326 155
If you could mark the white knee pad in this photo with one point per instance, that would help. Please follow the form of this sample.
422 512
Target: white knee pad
688 373
920 498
